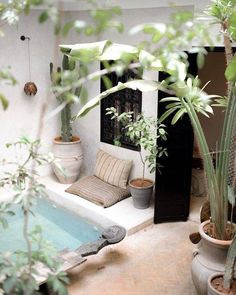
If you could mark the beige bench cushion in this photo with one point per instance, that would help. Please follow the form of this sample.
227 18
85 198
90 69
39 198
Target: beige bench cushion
112 170
97 191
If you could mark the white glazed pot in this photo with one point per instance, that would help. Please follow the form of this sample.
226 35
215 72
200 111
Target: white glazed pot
69 157
208 259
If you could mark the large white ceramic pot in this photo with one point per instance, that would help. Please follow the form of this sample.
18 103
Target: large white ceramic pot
209 258
141 191
68 159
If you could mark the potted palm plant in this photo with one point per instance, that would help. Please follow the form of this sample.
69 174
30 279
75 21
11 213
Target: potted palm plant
216 233
223 284
144 132
67 148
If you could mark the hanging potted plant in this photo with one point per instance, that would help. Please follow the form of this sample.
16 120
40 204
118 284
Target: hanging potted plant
66 148
144 132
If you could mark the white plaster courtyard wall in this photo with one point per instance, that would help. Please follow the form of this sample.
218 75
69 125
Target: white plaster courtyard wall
21 117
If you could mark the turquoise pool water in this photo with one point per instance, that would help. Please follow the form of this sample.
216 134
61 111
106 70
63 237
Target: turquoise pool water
61 227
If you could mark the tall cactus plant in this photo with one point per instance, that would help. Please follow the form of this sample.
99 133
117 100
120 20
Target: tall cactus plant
58 80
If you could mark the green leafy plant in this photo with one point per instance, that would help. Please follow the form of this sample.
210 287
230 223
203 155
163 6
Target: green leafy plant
144 132
20 269
191 101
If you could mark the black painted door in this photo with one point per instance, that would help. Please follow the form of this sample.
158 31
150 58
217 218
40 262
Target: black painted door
172 188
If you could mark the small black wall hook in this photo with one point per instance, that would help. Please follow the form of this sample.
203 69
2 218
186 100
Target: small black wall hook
23 38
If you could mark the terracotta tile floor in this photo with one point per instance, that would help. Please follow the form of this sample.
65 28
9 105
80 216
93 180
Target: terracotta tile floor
153 261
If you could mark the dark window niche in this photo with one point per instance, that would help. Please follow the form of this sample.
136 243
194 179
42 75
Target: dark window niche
124 101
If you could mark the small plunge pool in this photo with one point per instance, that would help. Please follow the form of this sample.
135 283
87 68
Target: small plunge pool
61 227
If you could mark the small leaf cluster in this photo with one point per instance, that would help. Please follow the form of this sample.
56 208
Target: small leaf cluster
18 270
224 13
20 176
143 131
11 10
18 278
169 42
187 91
6 78
21 172
102 19
5 212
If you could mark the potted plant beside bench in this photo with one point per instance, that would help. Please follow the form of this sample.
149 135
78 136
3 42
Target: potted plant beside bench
144 132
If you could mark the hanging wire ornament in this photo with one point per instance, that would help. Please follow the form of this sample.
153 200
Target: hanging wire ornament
30 88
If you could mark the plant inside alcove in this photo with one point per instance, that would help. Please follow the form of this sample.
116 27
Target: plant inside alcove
144 132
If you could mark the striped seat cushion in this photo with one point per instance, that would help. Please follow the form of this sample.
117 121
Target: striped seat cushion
97 191
112 170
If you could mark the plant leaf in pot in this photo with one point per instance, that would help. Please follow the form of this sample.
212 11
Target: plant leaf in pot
144 132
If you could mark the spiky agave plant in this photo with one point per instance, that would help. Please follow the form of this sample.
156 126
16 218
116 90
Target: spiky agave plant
220 179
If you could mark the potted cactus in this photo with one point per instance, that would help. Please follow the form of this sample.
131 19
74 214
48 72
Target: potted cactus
144 132
66 148
222 284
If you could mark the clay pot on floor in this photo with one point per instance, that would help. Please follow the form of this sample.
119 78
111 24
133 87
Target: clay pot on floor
141 191
215 285
208 259
69 157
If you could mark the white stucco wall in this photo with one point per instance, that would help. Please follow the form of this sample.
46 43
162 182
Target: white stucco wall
22 116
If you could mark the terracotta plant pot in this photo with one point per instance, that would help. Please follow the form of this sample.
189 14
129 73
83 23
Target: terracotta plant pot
69 156
141 191
208 259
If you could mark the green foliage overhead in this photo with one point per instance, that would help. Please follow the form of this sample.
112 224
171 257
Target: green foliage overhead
221 10
102 19
144 86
